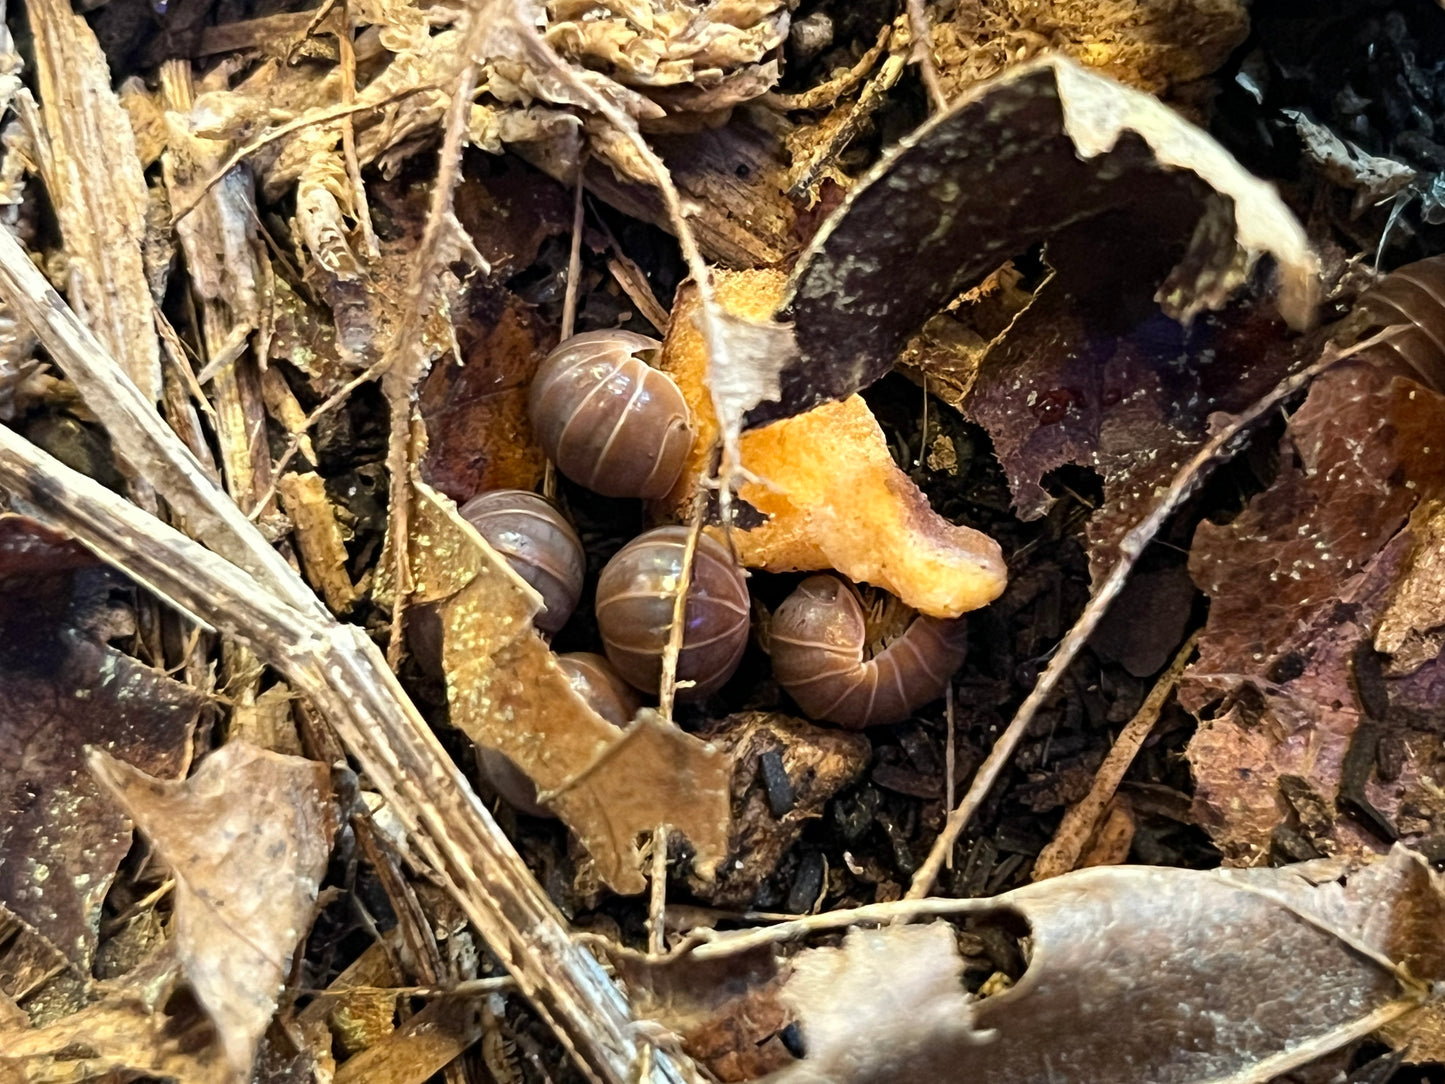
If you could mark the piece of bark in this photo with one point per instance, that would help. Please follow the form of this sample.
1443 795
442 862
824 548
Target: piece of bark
318 538
93 175
736 177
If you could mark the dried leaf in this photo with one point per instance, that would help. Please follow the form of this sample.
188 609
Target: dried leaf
1159 47
726 1011
1093 373
479 436
61 691
127 1032
1298 582
947 207
507 693
1412 628
1205 967
827 484
247 837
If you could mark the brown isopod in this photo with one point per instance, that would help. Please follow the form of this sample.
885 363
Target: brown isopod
818 637
635 596
609 420
538 543
594 680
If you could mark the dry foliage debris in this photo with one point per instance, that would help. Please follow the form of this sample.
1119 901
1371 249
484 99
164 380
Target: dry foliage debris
311 262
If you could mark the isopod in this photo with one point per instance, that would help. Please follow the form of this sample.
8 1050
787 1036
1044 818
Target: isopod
818 639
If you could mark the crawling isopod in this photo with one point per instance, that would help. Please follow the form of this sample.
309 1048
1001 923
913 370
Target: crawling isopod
609 420
635 600
818 640
539 544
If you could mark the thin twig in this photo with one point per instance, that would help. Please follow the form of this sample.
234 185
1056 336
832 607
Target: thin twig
657 897
569 309
408 354
668 688
922 55
1081 820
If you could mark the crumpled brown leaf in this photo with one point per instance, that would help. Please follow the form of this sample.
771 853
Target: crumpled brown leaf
946 208
129 1032
60 691
1298 582
247 838
506 692
1135 973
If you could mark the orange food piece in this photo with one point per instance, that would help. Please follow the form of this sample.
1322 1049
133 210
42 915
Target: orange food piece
834 497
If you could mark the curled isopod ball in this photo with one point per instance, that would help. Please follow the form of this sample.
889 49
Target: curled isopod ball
594 680
609 420
635 597
538 543
818 639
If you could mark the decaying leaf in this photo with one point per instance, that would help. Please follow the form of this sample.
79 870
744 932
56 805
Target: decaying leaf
479 436
1412 629
507 693
726 1012
1159 46
784 773
128 1033
1093 373
1299 581
247 838
60 691
1134 973
826 482
1041 147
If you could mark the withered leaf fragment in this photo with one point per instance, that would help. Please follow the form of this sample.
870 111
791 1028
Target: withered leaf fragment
1298 581
247 838
1135 974
59 692
825 482
1041 147
126 1034
507 693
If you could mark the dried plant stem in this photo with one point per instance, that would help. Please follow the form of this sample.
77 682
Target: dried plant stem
711 320
407 352
1188 479
657 895
569 308
923 54
245 589
347 56
668 689
1081 820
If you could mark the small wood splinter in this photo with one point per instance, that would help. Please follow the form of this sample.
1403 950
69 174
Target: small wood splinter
833 496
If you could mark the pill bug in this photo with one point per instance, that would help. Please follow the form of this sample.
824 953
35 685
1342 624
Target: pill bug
1411 298
607 419
539 544
818 641
635 597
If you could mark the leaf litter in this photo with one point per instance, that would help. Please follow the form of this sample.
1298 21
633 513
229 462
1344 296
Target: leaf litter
1124 390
